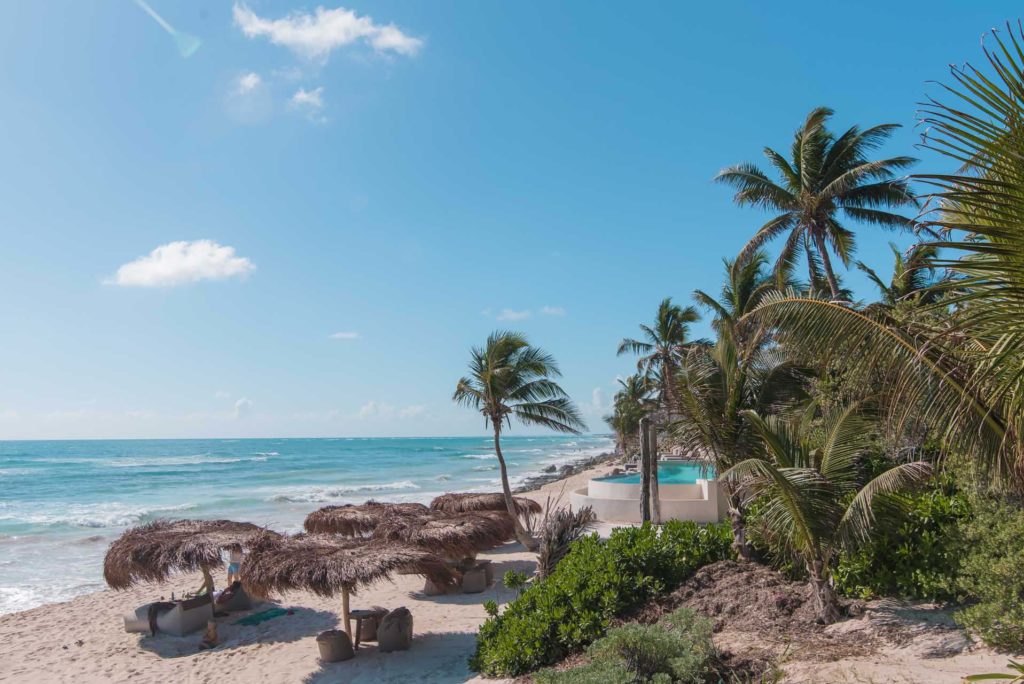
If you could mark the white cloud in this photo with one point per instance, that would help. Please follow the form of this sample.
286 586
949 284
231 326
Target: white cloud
222 394
249 82
313 99
377 409
345 336
178 263
513 315
243 407
552 311
597 400
315 36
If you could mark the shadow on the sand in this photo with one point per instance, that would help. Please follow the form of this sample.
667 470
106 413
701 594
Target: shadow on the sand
282 629
435 657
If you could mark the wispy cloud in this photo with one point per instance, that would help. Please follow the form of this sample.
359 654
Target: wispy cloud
311 102
377 409
345 336
513 315
317 35
552 310
179 263
243 407
222 394
249 82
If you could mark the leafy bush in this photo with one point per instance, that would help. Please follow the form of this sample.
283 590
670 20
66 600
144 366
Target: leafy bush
918 560
992 573
677 649
594 583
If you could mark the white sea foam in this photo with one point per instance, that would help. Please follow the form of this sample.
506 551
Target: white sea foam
479 456
485 467
112 514
324 494
171 461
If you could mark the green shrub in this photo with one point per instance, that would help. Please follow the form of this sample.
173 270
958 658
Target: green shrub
918 560
993 573
677 649
594 583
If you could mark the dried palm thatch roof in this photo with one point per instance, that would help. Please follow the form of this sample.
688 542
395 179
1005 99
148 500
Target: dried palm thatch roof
356 520
153 551
465 502
452 534
328 564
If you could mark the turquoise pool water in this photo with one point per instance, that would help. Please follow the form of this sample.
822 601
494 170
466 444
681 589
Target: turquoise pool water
669 473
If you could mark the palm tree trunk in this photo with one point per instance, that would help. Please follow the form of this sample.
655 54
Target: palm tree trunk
824 595
652 442
826 262
739 526
521 534
645 470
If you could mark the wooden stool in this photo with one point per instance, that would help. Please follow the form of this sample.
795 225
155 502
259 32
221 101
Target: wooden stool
374 614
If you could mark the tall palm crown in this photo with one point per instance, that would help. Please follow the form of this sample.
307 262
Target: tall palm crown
508 378
826 176
511 379
663 345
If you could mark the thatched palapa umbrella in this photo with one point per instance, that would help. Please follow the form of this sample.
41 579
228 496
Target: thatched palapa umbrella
153 551
357 520
455 535
327 565
466 502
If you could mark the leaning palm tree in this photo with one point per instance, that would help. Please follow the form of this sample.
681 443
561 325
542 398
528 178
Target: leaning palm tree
508 378
827 177
663 345
814 501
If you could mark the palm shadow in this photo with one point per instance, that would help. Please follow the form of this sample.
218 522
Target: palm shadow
436 657
282 629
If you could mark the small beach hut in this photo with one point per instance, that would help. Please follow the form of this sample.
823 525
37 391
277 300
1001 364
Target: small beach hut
357 520
152 552
466 502
454 535
328 565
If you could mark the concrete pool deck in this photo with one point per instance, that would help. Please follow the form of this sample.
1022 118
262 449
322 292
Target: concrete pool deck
617 500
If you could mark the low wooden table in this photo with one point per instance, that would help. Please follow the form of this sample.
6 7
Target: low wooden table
359 616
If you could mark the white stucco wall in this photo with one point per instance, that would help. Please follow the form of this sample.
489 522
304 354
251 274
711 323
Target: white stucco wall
620 502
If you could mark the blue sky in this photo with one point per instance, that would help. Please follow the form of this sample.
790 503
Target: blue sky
401 172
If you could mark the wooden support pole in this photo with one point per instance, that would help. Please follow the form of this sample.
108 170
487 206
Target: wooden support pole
345 616
645 470
652 441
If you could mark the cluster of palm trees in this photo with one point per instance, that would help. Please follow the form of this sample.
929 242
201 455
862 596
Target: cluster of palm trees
800 380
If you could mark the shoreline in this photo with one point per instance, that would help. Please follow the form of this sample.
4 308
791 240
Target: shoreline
83 639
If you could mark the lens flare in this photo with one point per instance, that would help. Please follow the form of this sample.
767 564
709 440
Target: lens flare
187 44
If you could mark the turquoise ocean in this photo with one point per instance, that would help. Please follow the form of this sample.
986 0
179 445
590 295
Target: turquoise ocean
62 502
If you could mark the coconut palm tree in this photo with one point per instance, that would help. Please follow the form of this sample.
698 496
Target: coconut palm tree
508 378
743 370
662 346
631 403
826 178
814 500
913 276
964 378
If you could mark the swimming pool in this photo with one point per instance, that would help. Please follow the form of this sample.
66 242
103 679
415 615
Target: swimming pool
669 473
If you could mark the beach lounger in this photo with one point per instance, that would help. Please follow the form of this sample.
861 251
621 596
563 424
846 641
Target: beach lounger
176 618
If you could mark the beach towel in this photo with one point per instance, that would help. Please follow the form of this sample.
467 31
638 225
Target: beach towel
262 616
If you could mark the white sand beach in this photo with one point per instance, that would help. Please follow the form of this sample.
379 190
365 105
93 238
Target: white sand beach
83 640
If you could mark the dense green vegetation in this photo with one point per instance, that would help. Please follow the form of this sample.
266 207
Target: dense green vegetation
597 581
677 649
